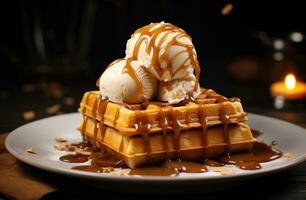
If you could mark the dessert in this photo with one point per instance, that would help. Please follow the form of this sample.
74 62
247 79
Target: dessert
151 133
150 111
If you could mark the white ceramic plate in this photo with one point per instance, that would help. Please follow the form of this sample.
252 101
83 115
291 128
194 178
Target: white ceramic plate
40 136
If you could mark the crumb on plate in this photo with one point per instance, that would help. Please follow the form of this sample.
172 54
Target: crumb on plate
120 172
60 139
82 152
61 146
224 170
30 150
288 155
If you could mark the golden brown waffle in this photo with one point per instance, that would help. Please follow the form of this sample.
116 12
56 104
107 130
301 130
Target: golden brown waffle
137 150
152 132
209 109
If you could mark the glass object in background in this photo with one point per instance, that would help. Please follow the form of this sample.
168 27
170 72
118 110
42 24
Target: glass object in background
284 53
57 37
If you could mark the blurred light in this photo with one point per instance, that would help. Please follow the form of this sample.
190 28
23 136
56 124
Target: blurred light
290 81
279 44
296 37
278 56
227 9
279 102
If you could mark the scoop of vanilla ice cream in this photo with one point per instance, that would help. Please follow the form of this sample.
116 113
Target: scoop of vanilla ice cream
178 56
177 90
118 86
161 54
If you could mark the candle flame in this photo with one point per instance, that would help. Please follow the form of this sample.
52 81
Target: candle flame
290 81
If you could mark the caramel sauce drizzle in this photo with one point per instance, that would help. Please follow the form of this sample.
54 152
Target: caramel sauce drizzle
94 114
226 121
170 118
85 118
99 160
132 73
101 110
177 127
121 147
249 160
163 123
143 126
74 158
128 106
224 118
204 122
192 57
152 32
219 98
188 120
116 118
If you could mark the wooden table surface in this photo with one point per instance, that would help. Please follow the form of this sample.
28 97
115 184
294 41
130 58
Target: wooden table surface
290 184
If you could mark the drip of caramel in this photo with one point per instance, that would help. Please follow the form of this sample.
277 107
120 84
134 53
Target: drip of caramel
132 73
164 124
226 121
101 110
177 127
85 118
203 121
250 160
99 107
94 114
84 124
116 118
143 126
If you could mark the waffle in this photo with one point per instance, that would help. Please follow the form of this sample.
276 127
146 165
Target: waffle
153 132
138 151
123 117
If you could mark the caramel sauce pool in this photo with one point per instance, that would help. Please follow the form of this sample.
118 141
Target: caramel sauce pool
101 161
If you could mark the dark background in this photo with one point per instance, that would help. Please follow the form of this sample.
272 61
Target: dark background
66 45
52 51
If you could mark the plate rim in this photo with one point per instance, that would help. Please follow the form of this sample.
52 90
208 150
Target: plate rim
144 179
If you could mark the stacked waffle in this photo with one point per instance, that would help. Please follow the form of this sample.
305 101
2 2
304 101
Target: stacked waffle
152 132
